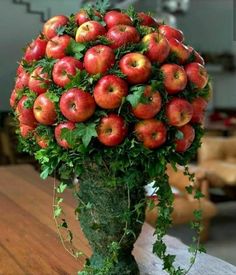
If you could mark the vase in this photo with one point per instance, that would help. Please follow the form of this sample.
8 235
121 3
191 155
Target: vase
108 217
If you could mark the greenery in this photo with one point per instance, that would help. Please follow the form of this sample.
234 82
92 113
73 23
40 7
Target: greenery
111 178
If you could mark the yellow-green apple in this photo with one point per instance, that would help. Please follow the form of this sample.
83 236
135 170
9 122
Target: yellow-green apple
158 47
171 32
89 31
112 130
39 81
179 112
58 131
77 105
180 51
109 91
64 68
25 114
151 105
53 24
13 98
26 131
146 20
45 110
22 81
57 46
136 67
199 107
99 59
114 18
122 34
151 132
197 57
174 78
197 75
36 50
188 135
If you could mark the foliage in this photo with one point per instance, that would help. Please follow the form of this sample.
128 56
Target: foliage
125 168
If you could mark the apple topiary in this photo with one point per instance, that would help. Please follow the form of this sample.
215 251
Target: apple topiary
111 97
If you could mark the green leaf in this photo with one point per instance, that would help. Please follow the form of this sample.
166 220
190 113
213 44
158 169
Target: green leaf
189 189
197 214
57 212
102 6
61 188
136 96
76 49
179 135
198 195
60 30
45 173
86 132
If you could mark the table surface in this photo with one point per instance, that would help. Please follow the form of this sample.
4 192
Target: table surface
29 243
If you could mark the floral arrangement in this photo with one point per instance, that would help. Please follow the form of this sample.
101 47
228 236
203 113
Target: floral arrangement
111 97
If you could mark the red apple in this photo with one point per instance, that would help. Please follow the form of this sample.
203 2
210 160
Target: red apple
64 68
64 125
151 132
188 133
22 81
197 57
112 130
136 67
36 50
180 51
122 34
174 78
197 75
45 110
26 131
89 31
146 20
109 92
179 112
51 26
42 141
99 59
150 108
77 105
158 47
199 107
13 98
82 16
20 69
25 115
39 81
114 18
171 32
57 46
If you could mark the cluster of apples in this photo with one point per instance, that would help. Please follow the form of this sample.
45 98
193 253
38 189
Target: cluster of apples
111 90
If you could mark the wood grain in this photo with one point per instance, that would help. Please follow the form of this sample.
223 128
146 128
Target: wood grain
29 243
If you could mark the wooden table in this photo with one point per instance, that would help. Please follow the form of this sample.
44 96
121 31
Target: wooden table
29 243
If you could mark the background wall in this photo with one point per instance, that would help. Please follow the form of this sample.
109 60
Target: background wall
208 26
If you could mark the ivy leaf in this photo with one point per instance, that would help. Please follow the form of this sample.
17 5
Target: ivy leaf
197 214
136 96
189 189
86 132
198 195
45 173
61 188
52 96
57 212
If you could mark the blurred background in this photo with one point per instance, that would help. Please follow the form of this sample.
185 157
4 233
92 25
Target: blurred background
209 27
